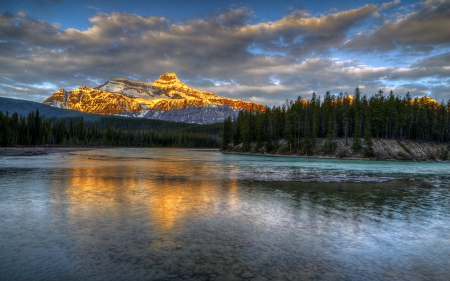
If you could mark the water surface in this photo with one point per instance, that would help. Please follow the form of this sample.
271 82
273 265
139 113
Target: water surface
158 214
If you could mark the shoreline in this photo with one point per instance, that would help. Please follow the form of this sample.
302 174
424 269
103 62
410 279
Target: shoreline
333 157
6 151
383 150
329 157
40 150
306 156
46 150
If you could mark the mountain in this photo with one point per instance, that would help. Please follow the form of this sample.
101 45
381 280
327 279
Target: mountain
167 98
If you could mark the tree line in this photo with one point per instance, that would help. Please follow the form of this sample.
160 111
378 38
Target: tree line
35 129
356 117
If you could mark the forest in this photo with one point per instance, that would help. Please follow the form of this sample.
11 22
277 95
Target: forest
34 129
356 117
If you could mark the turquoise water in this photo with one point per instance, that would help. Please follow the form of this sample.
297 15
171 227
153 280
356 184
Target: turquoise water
158 214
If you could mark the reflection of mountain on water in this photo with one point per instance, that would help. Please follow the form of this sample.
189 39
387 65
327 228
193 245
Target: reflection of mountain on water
172 194
175 201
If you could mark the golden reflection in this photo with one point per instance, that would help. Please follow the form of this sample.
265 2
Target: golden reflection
170 194
176 201
183 197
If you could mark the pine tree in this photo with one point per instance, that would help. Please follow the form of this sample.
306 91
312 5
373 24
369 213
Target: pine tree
356 145
368 149
226 135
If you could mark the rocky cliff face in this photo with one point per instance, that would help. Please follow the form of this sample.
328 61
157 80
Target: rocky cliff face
89 100
198 115
128 88
167 98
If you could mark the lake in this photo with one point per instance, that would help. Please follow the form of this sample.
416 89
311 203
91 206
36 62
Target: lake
175 214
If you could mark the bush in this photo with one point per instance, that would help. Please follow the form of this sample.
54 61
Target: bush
444 153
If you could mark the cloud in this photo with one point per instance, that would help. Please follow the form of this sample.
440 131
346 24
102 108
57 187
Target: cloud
299 34
428 26
442 60
92 8
295 52
235 18
321 75
391 4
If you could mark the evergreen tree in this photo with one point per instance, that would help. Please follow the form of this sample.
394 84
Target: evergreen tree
368 149
356 145
226 135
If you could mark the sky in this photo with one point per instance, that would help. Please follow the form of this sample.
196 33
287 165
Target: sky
262 51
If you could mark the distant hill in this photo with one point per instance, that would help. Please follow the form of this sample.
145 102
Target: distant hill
23 107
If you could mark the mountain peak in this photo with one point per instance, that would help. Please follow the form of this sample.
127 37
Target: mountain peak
167 81
169 76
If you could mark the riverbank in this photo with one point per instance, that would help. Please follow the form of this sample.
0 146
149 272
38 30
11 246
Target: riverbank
45 150
39 150
384 149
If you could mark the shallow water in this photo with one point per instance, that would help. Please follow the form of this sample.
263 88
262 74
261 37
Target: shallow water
158 214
